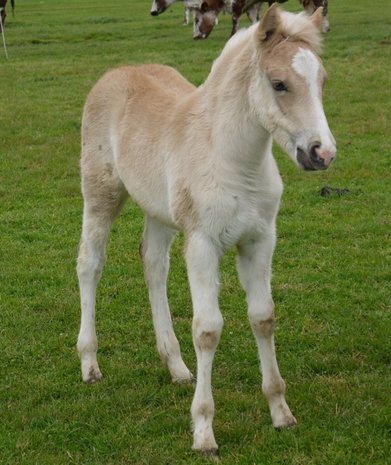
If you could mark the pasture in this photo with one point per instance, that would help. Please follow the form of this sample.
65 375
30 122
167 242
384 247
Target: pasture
331 274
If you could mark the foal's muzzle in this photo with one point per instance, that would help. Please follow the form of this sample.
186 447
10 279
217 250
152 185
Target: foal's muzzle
315 157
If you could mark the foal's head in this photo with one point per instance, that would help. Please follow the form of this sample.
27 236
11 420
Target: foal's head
288 97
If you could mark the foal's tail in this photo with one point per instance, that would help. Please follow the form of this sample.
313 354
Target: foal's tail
13 7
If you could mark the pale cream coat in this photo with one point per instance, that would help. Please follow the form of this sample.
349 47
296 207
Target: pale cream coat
200 160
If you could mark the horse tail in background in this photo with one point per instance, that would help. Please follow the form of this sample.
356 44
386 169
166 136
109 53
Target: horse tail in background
13 7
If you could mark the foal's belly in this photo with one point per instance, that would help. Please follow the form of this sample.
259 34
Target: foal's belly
151 198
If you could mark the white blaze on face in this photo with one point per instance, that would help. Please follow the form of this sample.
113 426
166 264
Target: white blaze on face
307 66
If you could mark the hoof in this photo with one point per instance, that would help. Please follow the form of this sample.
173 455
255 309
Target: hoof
207 447
212 453
94 375
288 423
184 380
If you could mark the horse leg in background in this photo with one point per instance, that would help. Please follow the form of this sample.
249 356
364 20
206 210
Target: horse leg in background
238 8
186 16
253 13
2 19
189 14
3 13
235 24
254 266
155 253
103 198
202 260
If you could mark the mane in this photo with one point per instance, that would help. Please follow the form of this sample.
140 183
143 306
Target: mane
238 40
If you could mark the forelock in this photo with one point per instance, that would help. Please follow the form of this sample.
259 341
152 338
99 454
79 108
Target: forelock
299 27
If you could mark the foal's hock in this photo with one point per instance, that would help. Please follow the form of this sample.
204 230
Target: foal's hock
200 160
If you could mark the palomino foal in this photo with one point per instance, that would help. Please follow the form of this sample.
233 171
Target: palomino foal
200 160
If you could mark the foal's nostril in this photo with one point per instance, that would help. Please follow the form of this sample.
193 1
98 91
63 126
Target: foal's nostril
314 147
154 13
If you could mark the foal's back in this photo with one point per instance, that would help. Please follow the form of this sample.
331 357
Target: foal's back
125 119
142 92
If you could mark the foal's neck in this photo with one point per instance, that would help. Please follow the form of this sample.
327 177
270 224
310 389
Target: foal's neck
236 133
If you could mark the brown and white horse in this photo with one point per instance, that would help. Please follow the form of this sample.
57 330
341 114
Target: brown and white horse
199 160
251 7
207 13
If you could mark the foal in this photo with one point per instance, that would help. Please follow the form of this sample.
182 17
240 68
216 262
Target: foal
200 160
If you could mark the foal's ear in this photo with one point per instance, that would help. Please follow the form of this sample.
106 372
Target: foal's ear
268 24
316 17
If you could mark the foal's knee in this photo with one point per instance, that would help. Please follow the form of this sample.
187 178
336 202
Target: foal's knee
206 333
264 328
262 320
89 262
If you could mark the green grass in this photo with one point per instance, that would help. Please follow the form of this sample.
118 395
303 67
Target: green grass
331 267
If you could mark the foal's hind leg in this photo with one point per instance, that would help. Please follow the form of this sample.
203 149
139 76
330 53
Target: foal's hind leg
154 250
104 196
254 265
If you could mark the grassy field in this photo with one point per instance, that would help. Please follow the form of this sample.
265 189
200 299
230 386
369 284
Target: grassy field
331 268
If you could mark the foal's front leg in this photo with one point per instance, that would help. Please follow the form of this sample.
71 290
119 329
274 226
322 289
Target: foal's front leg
202 259
254 266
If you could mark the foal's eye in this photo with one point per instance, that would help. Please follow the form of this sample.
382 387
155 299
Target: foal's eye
279 86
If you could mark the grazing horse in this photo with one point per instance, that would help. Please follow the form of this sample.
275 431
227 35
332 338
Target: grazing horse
206 15
199 160
251 7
